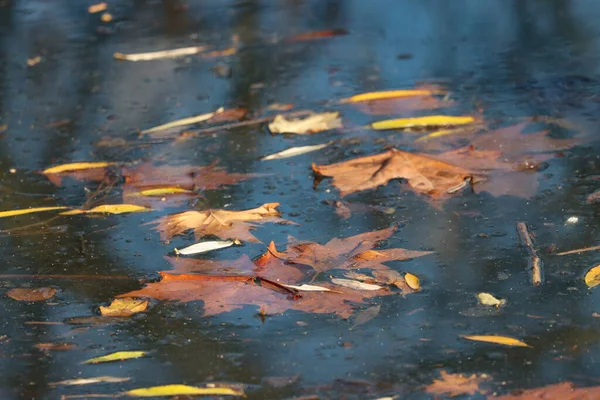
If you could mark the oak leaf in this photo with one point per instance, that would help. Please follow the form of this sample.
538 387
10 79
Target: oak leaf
456 384
222 223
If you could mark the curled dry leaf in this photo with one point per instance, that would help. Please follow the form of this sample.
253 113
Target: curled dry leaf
31 294
592 277
124 307
312 124
109 209
505 340
456 384
488 300
430 121
12 213
204 247
182 390
222 223
412 281
118 356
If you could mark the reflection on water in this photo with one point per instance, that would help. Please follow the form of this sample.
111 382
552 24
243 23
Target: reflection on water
505 59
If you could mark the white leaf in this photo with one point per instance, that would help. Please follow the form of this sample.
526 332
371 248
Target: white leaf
295 151
311 124
308 288
204 247
349 283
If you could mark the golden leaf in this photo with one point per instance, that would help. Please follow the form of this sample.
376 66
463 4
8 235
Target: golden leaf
12 213
175 390
488 300
422 122
118 356
77 167
109 209
164 191
388 94
505 340
592 277
124 307
412 281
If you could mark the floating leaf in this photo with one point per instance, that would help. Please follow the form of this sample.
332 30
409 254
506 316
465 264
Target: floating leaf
365 316
312 124
31 294
118 356
124 307
505 340
109 209
592 277
356 285
87 381
559 391
488 300
204 247
13 213
316 35
164 191
295 151
422 122
162 54
180 122
447 132
98 7
456 384
308 288
182 390
388 94
412 281
77 167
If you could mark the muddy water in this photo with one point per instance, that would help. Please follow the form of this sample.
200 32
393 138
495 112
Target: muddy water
506 59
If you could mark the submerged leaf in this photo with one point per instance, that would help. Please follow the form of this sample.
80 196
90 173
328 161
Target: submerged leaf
295 151
592 277
180 122
357 285
365 316
505 340
13 213
422 122
181 390
77 167
204 247
308 288
31 294
124 307
109 209
388 94
163 191
118 356
162 54
312 124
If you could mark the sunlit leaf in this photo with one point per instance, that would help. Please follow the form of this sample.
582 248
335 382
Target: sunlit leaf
77 167
592 277
308 288
109 209
412 281
118 356
204 247
13 213
356 285
31 294
488 300
422 122
87 381
312 124
388 94
124 307
181 390
180 122
162 54
98 7
295 151
505 340
164 191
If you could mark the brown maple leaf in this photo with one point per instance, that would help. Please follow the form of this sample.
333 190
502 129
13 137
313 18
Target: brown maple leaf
456 384
222 223
562 391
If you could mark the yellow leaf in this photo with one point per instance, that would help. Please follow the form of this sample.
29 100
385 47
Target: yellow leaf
505 340
12 213
422 122
488 300
109 209
164 191
124 307
388 94
175 390
77 167
592 277
412 281
118 356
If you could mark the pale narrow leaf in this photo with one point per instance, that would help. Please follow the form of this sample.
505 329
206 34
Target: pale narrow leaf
312 124
505 340
77 167
365 316
157 55
357 285
295 151
182 390
307 288
204 247
488 300
180 122
118 356
422 122
13 213
87 381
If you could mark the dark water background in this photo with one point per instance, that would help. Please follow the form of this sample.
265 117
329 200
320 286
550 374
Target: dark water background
511 58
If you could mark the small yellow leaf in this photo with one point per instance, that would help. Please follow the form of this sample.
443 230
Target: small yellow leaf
505 340
176 390
388 94
164 191
109 209
422 122
592 277
124 307
118 356
412 281
12 213
488 300
77 167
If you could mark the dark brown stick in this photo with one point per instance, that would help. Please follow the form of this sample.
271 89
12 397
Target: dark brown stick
536 265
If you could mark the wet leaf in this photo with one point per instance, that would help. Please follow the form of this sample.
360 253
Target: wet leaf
204 247
161 54
505 340
179 122
592 277
164 191
295 151
308 288
55 346
562 391
389 94
412 281
365 316
31 294
98 7
222 223
12 213
422 122
87 381
181 390
357 285
77 167
316 35
462 130
110 209
311 124
124 307
488 300
118 356
456 384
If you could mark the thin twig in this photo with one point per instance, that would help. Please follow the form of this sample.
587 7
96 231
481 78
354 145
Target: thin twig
536 265
583 249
